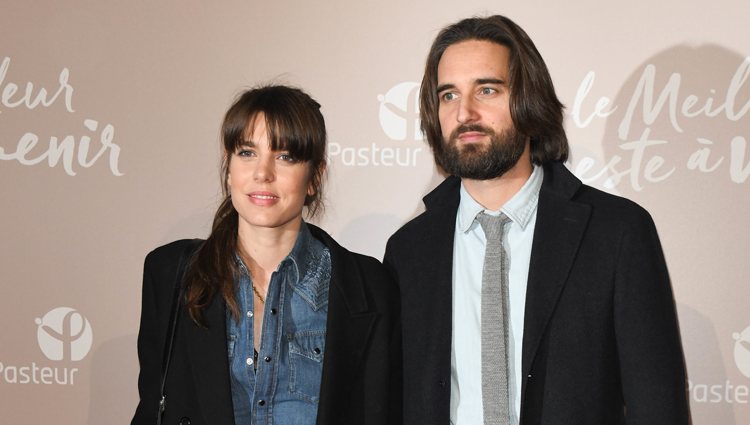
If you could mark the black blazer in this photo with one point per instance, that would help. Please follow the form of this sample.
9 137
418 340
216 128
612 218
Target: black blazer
600 344
361 381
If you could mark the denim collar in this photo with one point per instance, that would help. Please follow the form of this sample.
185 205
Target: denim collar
520 208
306 269
309 265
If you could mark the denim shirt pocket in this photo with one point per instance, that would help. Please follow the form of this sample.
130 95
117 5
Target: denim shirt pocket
306 351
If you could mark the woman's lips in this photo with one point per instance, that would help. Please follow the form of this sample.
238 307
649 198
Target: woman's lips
263 198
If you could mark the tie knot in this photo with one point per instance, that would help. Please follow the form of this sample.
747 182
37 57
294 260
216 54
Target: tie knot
492 224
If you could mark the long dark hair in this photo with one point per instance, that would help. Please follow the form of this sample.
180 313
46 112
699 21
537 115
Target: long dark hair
295 124
534 107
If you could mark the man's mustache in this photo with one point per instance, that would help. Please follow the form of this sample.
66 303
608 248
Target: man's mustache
465 128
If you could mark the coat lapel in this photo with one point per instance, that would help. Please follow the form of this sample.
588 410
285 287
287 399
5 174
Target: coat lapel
436 283
560 226
426 296
207 350
349 327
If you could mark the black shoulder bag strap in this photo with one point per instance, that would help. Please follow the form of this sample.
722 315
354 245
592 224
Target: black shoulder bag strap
173 319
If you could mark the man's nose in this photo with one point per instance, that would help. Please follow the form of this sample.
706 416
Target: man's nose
467 112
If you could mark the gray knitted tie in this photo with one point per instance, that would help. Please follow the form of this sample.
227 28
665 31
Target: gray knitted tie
495 390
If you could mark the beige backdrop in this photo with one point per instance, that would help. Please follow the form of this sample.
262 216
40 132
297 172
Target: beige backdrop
109 119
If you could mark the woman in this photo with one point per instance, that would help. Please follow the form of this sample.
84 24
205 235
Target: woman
276 322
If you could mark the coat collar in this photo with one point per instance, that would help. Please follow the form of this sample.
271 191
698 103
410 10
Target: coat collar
444 196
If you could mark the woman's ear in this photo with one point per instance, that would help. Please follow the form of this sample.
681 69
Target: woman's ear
227 158
315 178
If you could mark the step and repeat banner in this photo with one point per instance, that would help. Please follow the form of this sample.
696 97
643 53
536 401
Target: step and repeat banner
109 147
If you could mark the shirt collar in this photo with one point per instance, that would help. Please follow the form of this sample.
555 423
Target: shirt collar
520 208
309 268
305 268
297 262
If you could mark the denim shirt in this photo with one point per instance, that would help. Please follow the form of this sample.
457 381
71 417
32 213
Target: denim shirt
283 386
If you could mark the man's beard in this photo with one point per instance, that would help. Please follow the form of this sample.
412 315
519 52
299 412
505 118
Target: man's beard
479 161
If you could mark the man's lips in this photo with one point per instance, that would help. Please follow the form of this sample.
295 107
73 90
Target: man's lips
471 136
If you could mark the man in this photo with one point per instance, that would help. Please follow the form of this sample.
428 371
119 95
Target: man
565 314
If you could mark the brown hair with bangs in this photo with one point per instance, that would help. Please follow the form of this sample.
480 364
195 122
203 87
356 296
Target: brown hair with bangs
534 107
294 124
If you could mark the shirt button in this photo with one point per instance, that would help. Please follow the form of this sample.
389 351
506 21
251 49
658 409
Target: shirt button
273 311
261 402
316 350
249 361
267 359
249 314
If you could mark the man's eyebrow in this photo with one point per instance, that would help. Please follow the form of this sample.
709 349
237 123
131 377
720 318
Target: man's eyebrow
490 81
444 87
478 81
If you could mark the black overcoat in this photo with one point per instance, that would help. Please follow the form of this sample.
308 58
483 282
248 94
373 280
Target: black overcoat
600 345
360 383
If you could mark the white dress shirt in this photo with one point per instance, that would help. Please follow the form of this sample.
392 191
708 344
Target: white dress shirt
468 259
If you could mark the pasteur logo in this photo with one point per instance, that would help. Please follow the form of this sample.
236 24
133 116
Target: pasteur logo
399 112
64 334
398 116
742 351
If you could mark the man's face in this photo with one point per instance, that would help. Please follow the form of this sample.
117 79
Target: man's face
479 139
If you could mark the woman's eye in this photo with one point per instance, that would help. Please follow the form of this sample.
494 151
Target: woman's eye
286 157
245 152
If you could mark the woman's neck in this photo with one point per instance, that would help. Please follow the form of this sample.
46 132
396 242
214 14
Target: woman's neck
265 248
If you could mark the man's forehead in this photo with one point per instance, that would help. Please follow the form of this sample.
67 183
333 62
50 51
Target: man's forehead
473 60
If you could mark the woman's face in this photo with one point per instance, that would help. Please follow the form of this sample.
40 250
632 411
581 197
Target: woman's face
268 188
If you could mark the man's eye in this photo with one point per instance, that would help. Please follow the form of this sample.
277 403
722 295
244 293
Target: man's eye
448 96
487 90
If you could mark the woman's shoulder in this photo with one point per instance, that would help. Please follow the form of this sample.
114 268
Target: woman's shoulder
367 265
171 252
368 270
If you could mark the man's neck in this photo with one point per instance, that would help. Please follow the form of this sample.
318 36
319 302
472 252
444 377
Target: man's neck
494 193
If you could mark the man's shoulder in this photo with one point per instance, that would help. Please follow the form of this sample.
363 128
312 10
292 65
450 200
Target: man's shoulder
415 225
442 200
367 266
613 215
413 232
562 184
606 204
